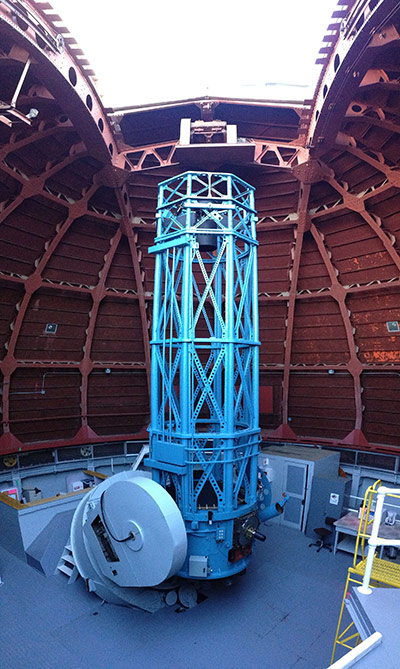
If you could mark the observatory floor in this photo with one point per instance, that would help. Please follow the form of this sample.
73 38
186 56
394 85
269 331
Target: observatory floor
282 613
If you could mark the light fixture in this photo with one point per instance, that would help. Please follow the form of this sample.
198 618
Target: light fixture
32 113
331 371
107 370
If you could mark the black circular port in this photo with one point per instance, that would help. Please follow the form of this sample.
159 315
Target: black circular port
72 76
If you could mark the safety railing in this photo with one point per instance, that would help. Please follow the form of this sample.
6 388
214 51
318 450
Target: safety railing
364 528
374 540
367 567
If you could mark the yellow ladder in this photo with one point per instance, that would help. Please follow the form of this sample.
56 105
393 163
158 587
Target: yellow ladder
383 573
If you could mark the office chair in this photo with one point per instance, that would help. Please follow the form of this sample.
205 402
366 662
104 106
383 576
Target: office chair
324 533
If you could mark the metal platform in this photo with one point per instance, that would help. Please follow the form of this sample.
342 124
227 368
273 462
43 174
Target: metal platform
377 613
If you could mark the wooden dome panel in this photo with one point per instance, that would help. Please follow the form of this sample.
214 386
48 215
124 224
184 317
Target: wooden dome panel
78 196
322 405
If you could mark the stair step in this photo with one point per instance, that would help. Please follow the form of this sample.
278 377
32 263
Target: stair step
65 569
67 565
69 559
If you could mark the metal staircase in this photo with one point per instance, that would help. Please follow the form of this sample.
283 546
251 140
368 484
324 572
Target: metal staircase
67 565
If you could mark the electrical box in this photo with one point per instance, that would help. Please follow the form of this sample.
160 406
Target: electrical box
74 481
32 494
198 566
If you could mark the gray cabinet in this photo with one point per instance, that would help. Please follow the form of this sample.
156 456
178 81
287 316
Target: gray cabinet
292 469
328 494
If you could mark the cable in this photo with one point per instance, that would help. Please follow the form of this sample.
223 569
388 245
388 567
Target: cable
119 541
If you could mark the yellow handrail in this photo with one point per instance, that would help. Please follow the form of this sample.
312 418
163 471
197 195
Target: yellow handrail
364 528
383 572
365 520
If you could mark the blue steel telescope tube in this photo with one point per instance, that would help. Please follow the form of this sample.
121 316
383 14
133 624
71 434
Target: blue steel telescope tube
204 432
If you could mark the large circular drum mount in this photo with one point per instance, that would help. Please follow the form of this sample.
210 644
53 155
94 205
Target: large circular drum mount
128 531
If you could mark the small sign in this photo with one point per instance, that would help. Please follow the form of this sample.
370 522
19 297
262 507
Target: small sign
393 326
334 498
11 492
51 328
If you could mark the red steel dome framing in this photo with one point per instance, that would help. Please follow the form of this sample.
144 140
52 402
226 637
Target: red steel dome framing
78 187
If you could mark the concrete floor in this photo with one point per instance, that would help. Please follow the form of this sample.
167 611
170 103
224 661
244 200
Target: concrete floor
281 614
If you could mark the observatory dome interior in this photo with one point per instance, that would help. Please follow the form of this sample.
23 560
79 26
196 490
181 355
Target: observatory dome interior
78 194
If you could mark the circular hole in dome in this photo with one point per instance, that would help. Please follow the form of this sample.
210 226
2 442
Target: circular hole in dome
21 24
324 92
336 62
356 108
72 76
89 102
40 42
125 198
111 148
100 123
63 118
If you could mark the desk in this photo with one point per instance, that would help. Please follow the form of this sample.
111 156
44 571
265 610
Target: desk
349 525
